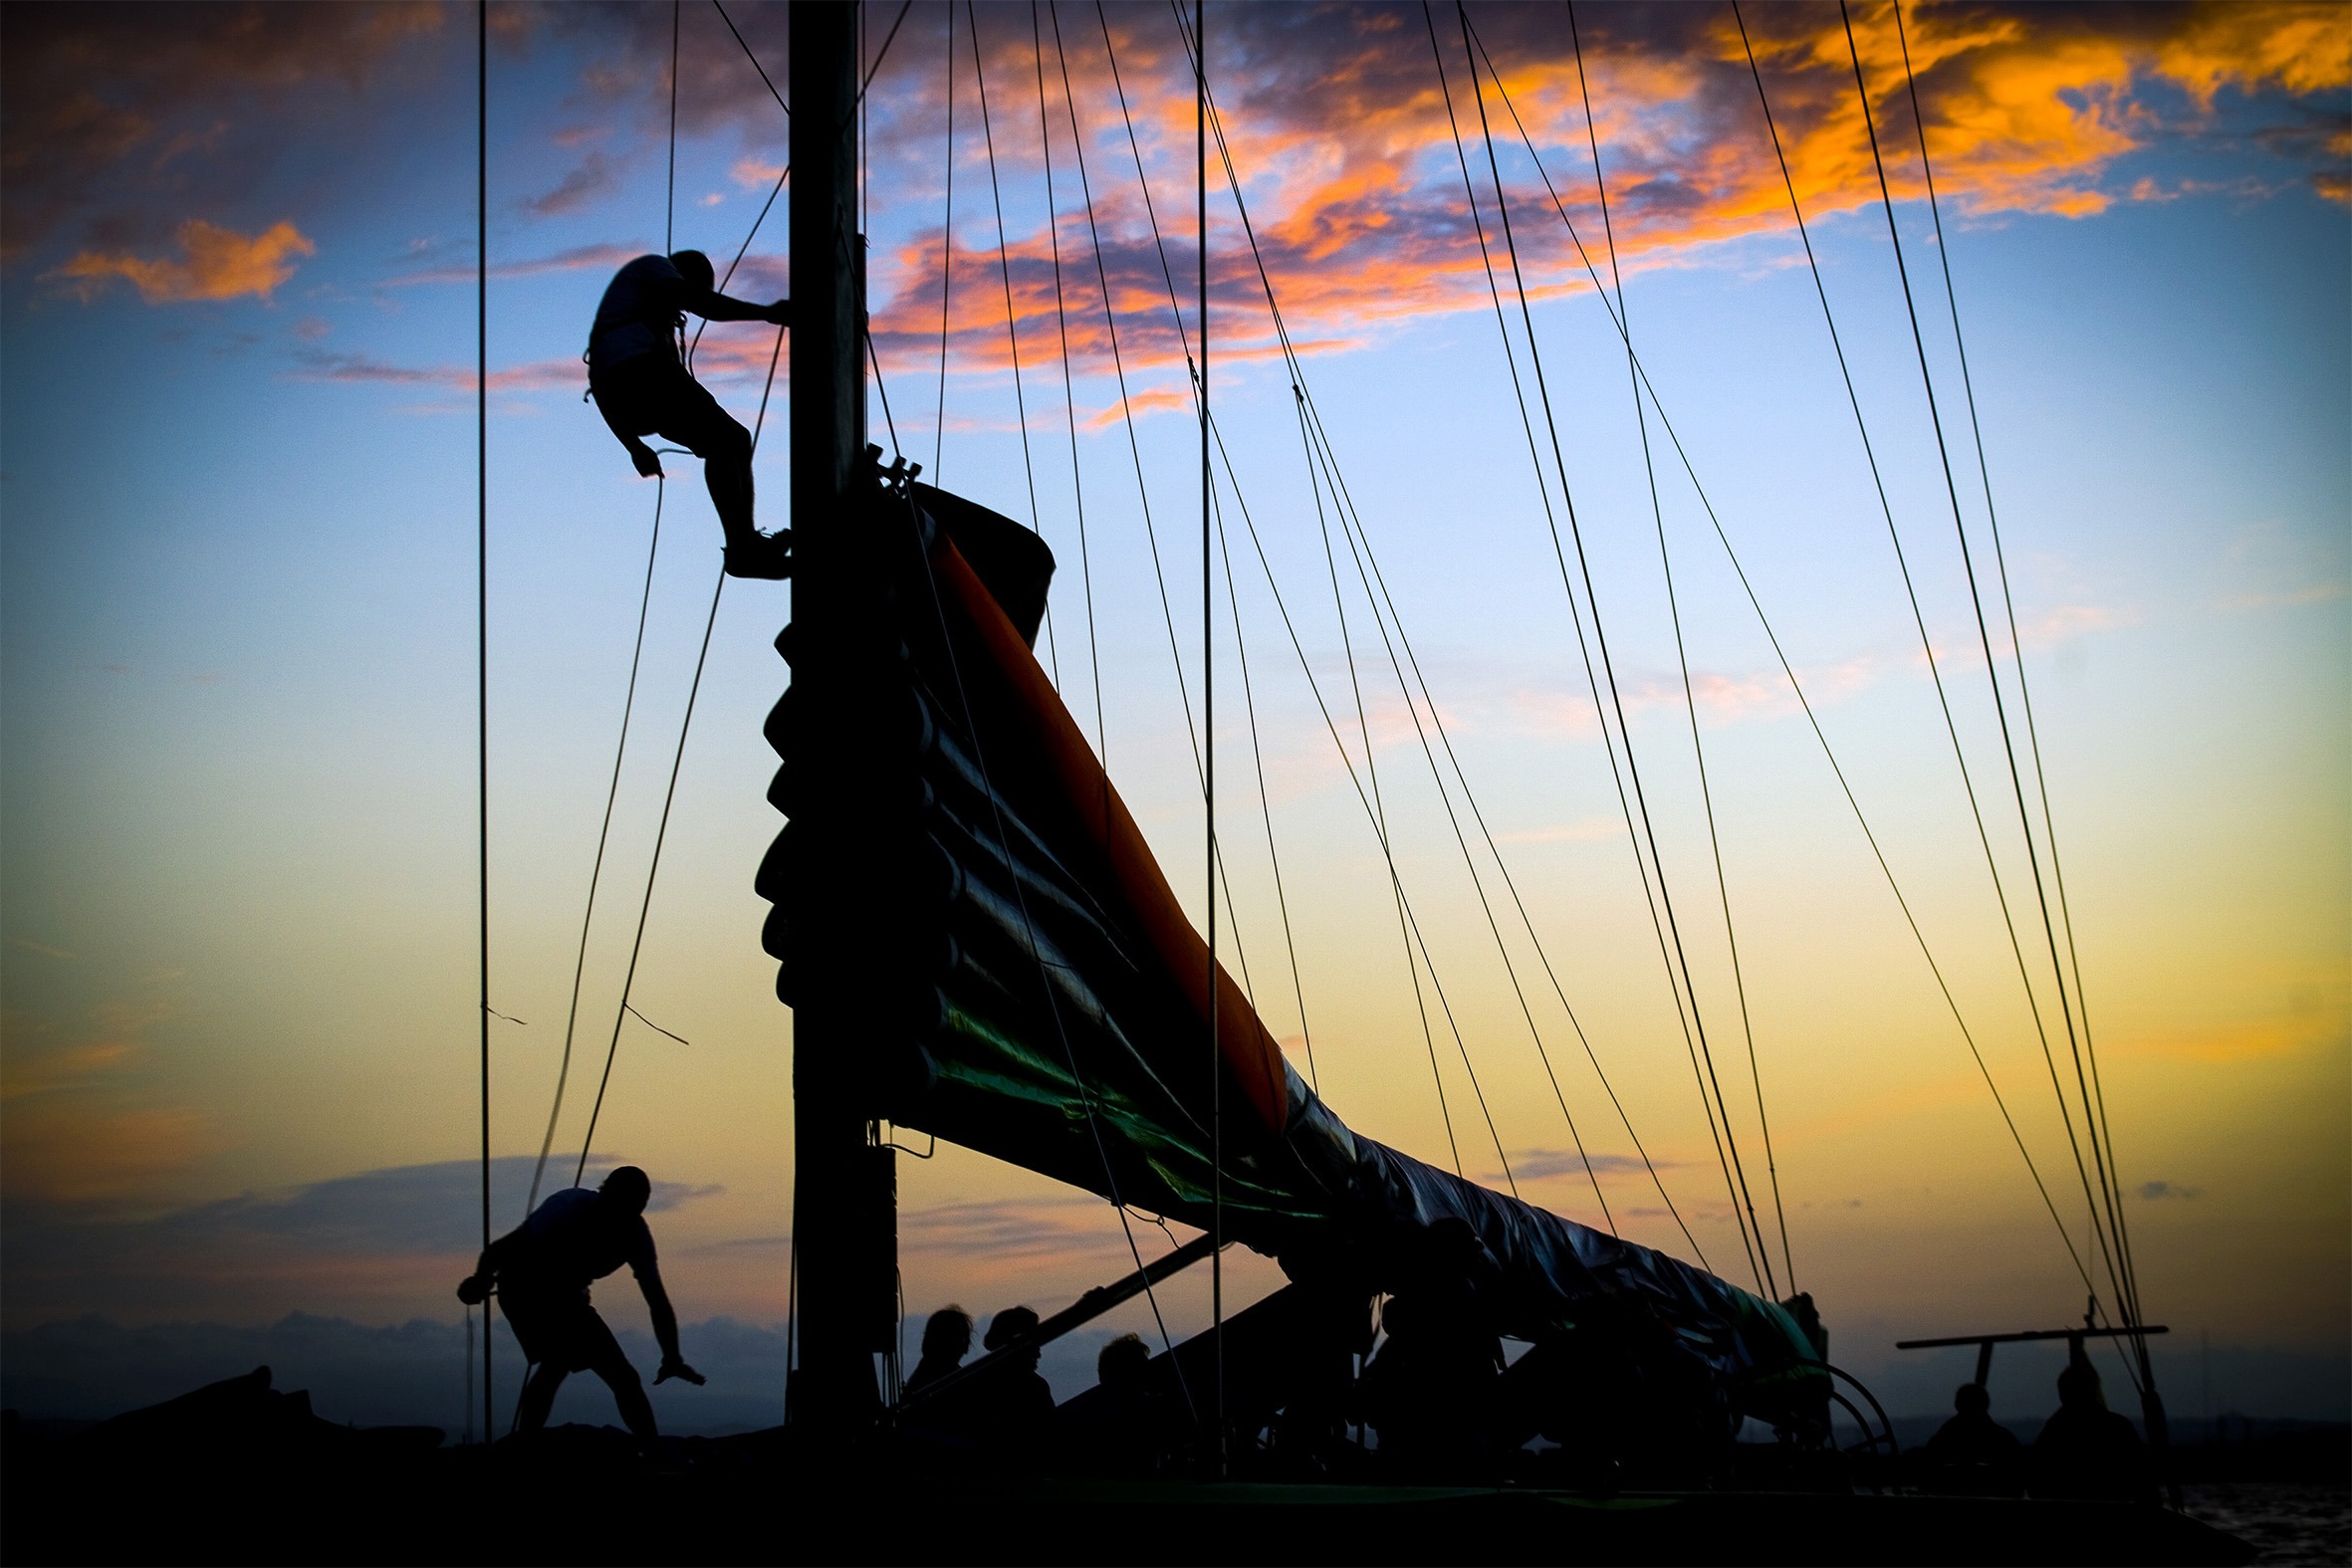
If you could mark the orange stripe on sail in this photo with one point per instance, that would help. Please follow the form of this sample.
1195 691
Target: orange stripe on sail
1247 1048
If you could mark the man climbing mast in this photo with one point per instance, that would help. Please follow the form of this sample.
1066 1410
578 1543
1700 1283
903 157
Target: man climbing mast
642 388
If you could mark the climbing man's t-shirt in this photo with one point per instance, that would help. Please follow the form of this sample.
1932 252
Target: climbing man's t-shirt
575 1237
641 310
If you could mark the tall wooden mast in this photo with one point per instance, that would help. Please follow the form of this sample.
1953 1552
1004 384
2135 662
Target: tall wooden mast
843 1197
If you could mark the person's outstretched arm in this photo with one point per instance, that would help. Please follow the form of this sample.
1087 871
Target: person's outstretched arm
717 306
665 1326
475 1288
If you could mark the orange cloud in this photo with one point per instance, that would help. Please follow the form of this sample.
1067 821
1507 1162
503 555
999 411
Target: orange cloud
69 1136
76 1153
1340 132
2303 48
106 111
215 264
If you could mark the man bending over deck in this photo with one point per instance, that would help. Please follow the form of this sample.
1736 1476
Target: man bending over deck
642 388
543 1268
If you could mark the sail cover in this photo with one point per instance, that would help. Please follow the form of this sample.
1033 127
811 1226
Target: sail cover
1058 1001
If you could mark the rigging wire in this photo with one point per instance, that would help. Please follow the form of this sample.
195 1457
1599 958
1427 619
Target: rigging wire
1727 1156
1356 559
1304 664
1322 439
1674 608
1796 686
947 252
1200 120
1069 400
1379 809
671 205
881 387
630 700
1306 403
597 871
2033 1003
1408 926
747 55
1151 534
1241 648
2018 653
1005 268
669 800
777 188
1870 455
482 637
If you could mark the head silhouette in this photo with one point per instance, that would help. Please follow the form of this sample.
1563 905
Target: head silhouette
2078 1388
1008 1325
948 1333
695 268
1972 1400
627 1189
1124 1363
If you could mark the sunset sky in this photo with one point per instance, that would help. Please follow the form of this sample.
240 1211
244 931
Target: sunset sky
237 524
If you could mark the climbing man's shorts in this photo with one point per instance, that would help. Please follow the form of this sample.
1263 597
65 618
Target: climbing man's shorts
560 1331
652 395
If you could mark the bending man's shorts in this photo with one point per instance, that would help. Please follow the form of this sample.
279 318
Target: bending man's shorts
560 1331
652 394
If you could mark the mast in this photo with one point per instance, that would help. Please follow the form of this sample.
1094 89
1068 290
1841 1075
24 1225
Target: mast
844 1198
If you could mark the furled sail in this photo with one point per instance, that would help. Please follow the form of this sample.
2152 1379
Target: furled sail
1053 1000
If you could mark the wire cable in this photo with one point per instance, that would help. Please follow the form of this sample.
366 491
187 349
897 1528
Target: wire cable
2099 1230
2131 1303
1870 455
1200 120
669 800
597 871
481 623
1795 683
1673 605
1635 805
747 55
1070 397
1004 266
1322 439
947 252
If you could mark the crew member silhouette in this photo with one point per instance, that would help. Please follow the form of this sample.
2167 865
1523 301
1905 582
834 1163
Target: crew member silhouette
1125 1431
642 388
1972 1453
947 1339
542 1270
1009 1402
2086 1450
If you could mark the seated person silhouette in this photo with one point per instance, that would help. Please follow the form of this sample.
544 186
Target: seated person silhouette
1972 1455
1124 1431
2085 1449
1006 1401
542 1270
1429 1389
947 1339
642 387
